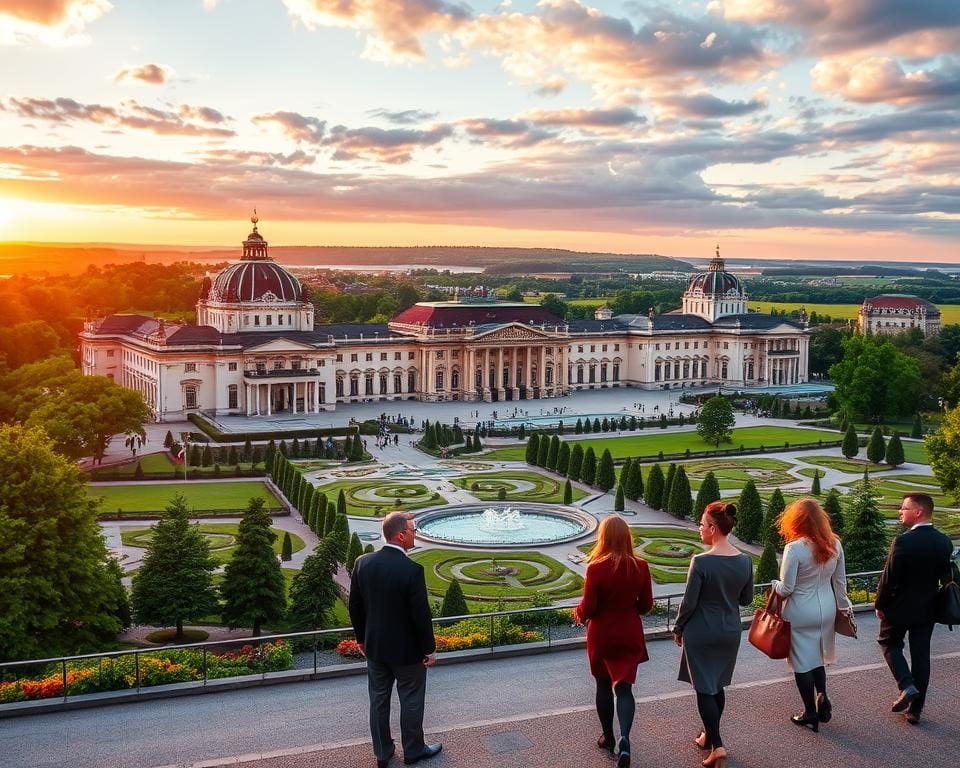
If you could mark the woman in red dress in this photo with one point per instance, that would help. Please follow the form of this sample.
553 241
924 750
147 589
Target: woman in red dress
617 591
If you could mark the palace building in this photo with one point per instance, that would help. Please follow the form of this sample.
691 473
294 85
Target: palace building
898 313
257 351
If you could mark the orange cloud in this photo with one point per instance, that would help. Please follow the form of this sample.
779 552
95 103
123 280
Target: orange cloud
880 79
150 74
54 22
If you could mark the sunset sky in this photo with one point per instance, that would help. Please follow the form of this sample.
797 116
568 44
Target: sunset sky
779 128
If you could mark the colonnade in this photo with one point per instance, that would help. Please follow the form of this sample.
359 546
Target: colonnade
312 392
495 373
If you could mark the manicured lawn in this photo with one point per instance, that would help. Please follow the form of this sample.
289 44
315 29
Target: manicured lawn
731 474
220 536
915 453
162 464
852 466
146 498
546 489
649 445
550 579
369 498
949 313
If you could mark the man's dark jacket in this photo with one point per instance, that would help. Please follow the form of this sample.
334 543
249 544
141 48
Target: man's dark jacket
919 561
389 609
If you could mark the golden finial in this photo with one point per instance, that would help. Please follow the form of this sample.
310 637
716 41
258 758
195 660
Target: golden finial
718 250
254 219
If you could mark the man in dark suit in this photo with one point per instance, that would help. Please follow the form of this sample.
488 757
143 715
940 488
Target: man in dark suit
918 563
391 618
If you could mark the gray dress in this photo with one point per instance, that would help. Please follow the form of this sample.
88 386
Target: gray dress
709 619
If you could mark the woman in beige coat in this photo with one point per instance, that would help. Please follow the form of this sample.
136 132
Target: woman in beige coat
813 578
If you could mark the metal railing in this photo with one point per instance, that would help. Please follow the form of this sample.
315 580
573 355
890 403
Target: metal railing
298 655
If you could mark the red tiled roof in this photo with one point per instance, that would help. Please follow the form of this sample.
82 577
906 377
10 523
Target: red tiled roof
457 315
900 302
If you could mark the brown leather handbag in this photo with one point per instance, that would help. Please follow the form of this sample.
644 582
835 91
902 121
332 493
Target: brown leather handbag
769 631
845 623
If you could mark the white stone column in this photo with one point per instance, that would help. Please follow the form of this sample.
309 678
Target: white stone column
269 399
542 369
499 377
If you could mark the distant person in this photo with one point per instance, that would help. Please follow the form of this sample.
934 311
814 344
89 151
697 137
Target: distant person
616 593
708 625
391 619
918 563
813 575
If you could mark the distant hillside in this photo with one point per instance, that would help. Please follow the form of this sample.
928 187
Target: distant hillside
18 258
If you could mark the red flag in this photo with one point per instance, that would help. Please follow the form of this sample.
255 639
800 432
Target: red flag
181 455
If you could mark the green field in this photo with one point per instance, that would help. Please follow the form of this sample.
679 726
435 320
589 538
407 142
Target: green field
220 536
146 498
949 313
676 442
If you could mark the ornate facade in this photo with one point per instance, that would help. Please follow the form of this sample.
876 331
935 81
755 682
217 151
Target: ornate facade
898 313
256 350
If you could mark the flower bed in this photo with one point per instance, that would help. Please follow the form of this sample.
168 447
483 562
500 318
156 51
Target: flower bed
155 668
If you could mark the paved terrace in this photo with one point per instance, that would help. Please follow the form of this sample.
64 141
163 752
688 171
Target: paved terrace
526 711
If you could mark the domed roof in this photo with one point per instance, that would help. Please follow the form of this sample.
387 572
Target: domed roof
716 281
255 278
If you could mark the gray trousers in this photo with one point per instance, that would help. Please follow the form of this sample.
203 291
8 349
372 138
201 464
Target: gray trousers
411 680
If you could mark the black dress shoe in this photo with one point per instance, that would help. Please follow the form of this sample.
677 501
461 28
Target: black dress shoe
430 750
606 742
807 720
913 718
383 763
824 708
623 754
903 702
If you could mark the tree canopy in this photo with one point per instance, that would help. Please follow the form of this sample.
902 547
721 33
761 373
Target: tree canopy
875 381
943 448
716 420
314 592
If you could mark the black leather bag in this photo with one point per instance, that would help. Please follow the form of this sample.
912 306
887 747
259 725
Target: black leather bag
947 605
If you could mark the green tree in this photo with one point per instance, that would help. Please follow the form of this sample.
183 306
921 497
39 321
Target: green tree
554 305
342 503
749 514
876 448
716 420
771 520
58 585
314 591
576 462
943 448
681 502
353 551
563 458
533 449
624 476
619 501
477 445
168 440
831 505
567 493
356 449
286 549
175 581
851 445
875 381
341 535
578 427
654 491
554 453
709 491
767 567
894 453
635 482
253 589
815 484
606 475
429 439
454 603
917 431
864 533
668 487
330 519
543 451
588 472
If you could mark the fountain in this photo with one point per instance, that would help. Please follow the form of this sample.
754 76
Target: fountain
522 524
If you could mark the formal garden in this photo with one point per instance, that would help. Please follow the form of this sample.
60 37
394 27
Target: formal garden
375 498
203 499
517 486
221 539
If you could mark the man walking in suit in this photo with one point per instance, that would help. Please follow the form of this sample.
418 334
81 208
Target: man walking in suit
391 619
919 561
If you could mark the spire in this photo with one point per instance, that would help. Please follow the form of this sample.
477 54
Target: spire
254 219
716 263
255 247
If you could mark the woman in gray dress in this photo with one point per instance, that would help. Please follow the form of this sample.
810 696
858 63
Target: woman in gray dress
708 625
813 577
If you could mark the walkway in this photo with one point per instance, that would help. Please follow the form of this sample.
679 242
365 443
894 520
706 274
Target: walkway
525 711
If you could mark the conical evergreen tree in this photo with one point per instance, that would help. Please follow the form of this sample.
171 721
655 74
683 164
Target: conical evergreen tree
588 472
606 475
578 428
342 503
341 534
749 514
619 500
864 533
429 438
587 426
681 502
174 583
654 491
635 482
330 519
295 449
623 478
567 493
554 453
347 446
876 448
356 449
353 551
894 455
168 439
543 451
576 462
533 449
286 549
477 445
596 425
253 589
770 530
563 459
767 568
454 603
314 592
831 505
850 446
668 487
319 513
709 491
284 449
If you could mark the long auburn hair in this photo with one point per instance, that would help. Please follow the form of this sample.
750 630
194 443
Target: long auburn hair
805 519
614 543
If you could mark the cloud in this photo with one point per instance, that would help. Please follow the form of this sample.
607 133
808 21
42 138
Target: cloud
187 121
393 27
879 79
586 118
230 157
52 22
385 145
300 128
150 74
404 117
707 105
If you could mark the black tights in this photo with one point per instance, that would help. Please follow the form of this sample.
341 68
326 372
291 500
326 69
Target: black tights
809 684
710 706
625 709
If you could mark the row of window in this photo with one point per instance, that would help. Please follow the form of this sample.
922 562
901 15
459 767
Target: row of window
591 373
368 357
368 382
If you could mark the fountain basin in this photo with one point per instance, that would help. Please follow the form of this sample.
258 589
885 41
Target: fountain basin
504 525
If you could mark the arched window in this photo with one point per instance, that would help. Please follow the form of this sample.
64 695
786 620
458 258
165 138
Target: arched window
397 383
339 386
439 380
383 383
368 384
411 381
233 396
354 386
478 379
190 397
455 379
548 376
